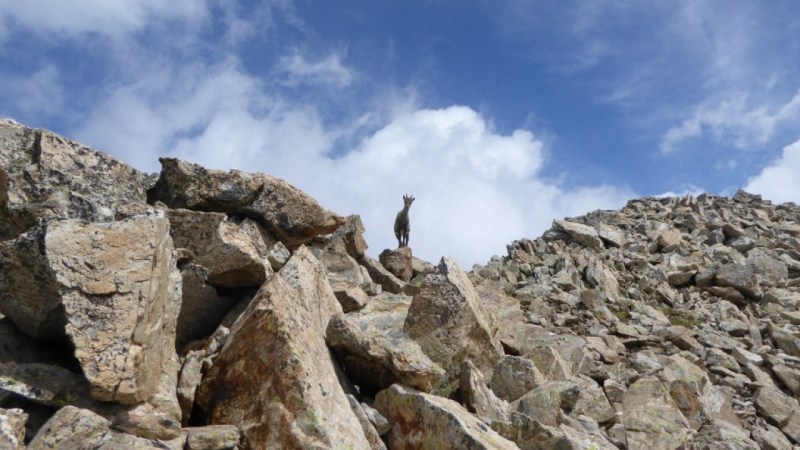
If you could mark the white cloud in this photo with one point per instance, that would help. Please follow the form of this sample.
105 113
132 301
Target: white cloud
109 18
476 189
733 122
297 70
779 181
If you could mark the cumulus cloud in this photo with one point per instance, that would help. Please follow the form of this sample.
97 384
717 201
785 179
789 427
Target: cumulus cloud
733 122
779 181
476 189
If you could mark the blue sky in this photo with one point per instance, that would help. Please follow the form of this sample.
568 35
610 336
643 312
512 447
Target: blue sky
499 116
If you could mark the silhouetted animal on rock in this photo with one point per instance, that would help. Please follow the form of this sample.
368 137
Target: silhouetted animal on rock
401 224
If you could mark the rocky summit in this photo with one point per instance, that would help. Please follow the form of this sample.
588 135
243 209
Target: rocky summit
205 309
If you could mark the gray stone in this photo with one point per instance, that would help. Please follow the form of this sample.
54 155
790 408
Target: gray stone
421 420
45 384
790 377
370 432
350 296
774 405
398 262
380 275
582 234
212 437
70 428
478 398
12 428
738 276
770 438
514 376
220 246
722 435
651 418
146 421
188 380
278 256
113 287
447 318
380 423
376 361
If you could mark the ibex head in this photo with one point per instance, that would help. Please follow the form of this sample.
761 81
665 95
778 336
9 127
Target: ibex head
407 200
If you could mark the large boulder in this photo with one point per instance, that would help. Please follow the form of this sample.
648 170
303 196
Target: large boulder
449 321
398 262
115 290
275 378
292 215
220 246
421 420
651 419
45 176
376 361
584 235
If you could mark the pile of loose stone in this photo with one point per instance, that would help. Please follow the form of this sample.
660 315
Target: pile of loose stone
203 309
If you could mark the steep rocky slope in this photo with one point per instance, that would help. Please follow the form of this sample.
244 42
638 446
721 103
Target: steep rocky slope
203 309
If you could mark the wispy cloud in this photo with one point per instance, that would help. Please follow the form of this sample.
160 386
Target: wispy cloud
734 122
36 95
297 69
106 18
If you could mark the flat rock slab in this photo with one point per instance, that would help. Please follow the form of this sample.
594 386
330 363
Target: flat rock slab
584 235
45 384
292 215
274 378
421 420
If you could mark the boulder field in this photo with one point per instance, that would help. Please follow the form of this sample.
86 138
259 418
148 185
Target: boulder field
202 309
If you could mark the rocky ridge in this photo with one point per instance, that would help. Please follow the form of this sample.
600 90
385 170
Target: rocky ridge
204 309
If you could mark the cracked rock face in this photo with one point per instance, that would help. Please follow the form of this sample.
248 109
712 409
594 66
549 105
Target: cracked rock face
45 176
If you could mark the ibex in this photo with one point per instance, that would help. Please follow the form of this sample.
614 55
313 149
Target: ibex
401 224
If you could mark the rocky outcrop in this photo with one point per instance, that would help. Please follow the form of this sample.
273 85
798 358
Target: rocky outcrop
293 216
671 323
